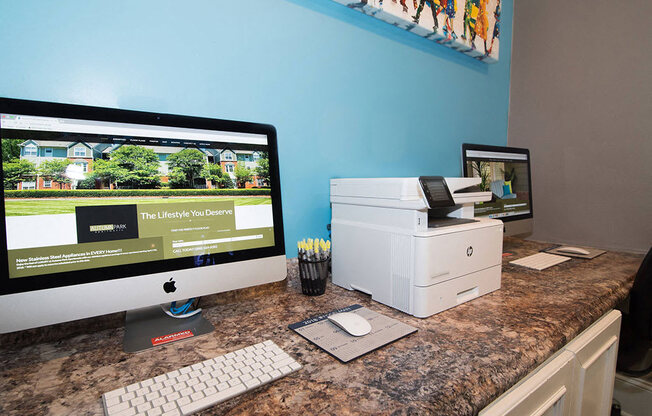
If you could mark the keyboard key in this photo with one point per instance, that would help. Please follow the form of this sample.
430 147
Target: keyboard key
157 411
159 402
129 412
252 383
142 408
285 370
133 387
196 396
280 357
137 401
151 396
119 407
264 378
112 401
142 391
275 374
115 393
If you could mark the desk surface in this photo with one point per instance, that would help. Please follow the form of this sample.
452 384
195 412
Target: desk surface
457 363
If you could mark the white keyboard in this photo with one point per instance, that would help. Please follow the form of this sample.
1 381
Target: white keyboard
196 387
540 261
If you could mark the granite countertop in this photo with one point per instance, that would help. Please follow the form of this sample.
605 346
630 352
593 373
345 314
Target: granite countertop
457 363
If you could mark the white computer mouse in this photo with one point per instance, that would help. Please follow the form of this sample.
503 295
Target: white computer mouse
572 250
352 323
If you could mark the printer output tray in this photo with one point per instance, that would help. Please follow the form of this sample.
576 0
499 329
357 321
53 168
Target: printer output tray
447 222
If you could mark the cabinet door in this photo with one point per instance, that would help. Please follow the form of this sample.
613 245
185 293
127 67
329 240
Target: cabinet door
596 351
547 391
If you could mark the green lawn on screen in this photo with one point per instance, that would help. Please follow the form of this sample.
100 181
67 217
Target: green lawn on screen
14 207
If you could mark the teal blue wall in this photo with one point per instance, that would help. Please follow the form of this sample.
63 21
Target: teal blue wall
350 96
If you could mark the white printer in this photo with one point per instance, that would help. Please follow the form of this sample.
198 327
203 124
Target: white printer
412 243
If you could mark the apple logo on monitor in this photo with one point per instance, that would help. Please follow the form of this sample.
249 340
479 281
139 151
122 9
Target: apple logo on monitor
169 286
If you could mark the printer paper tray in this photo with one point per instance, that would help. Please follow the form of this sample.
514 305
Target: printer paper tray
445 295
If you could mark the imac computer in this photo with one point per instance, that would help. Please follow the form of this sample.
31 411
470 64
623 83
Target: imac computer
505 171
109 210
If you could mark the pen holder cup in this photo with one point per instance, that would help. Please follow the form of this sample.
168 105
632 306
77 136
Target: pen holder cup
313 276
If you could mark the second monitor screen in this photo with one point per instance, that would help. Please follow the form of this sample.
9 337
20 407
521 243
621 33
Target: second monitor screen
506 175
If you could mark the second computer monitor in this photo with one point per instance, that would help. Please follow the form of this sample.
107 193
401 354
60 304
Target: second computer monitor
505 171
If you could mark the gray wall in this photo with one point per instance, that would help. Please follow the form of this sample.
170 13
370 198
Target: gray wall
581 101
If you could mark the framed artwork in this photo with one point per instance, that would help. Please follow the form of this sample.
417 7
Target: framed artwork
468 26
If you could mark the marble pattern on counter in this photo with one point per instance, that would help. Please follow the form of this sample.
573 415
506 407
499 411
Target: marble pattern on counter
457 363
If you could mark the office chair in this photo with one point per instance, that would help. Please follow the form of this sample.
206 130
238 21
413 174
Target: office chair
635 346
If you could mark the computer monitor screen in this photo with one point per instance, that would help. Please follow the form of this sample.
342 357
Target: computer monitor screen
505 171
133 200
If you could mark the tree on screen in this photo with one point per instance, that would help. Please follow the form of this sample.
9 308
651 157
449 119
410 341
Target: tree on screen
189 163
17 171
10 149
55 170
109 171
262 170
242 175
130 167
213 172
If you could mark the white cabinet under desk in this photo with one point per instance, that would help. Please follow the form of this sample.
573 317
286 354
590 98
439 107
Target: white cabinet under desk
577 380
596 351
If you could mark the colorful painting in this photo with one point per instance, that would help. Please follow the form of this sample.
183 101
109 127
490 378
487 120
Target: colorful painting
469 26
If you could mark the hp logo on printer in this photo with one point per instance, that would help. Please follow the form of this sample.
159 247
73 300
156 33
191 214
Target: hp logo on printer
469 251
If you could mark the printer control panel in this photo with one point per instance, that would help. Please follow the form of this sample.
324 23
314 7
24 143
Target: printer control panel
436 191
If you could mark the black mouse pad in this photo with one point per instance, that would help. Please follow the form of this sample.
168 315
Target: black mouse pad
345 347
